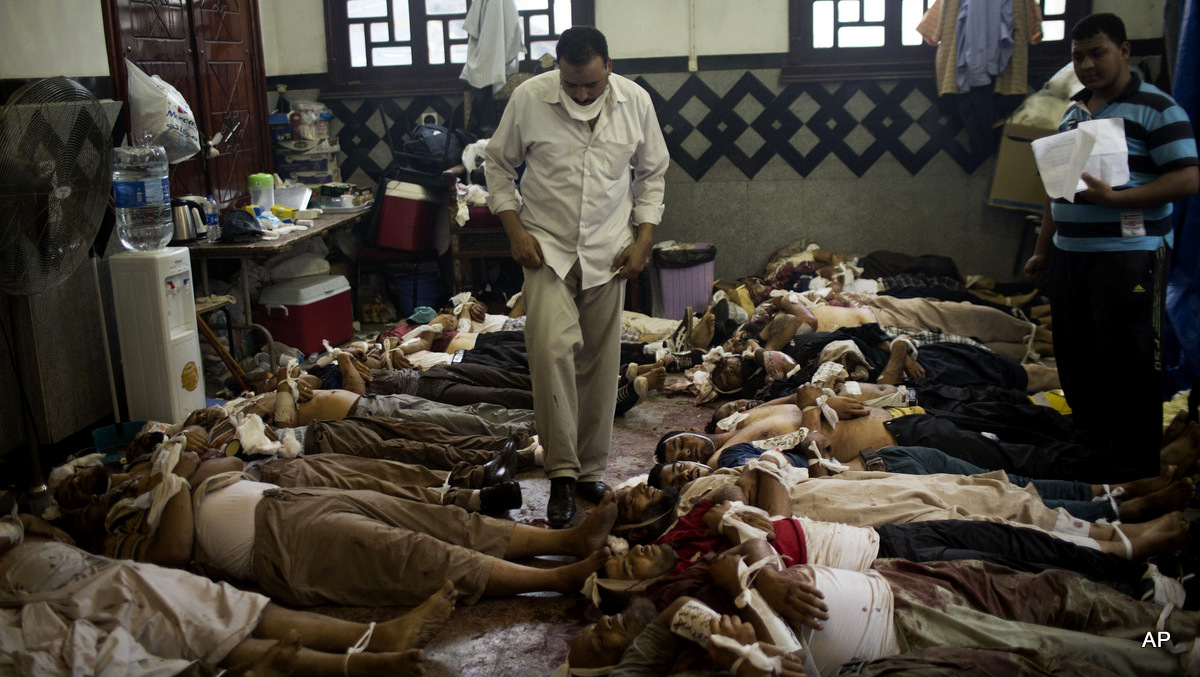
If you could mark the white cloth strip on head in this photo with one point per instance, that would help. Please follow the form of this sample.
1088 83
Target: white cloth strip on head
748 652
62 472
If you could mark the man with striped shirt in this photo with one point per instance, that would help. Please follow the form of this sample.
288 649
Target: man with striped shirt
1107 269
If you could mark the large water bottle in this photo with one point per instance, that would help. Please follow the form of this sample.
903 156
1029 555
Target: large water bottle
142 197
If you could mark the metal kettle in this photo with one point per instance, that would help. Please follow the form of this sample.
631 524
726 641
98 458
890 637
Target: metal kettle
188 219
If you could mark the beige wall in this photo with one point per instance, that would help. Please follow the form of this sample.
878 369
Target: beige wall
44 38
65 37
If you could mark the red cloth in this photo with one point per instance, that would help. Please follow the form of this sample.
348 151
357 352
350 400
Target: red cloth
691 541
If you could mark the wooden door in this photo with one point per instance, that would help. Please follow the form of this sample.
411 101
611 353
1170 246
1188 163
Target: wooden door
232 93
209 50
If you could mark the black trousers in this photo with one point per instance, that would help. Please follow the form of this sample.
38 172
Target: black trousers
1014 547
1108 309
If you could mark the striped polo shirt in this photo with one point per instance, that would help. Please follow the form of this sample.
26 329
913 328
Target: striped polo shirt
1160 140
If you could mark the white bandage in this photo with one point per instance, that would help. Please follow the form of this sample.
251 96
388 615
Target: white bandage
779 632
693 622
782 442
730 422
12 529
745 532
748 652
853 388
827 410
62 472
830 464
1111 495
359 647
829 372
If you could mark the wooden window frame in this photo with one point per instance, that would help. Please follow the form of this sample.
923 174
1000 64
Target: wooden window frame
343 80
894 60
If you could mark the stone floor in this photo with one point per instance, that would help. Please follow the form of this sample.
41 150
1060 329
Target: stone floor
529 634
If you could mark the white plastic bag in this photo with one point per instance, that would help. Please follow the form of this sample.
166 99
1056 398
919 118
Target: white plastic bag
161 116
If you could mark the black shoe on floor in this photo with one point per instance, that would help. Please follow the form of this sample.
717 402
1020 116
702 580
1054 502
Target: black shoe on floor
631 394
560 510
503 467
592 492
500 498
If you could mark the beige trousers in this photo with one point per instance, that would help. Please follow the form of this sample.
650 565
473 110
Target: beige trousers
573 337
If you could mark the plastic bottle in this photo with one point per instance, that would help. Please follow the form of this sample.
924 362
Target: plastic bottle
142 197
212 216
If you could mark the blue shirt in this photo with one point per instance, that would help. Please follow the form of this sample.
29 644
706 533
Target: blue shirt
1159 137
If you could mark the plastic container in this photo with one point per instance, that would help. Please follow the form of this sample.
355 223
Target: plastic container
303 311
684 286
142 197
262 190
407 218
212 216
295 197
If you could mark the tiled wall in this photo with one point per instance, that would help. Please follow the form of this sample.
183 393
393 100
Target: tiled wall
855 166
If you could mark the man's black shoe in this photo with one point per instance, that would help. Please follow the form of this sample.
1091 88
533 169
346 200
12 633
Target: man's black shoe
500 497
591 492
503 467
561 508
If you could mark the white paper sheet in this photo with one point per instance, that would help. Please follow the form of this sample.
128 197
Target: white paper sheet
1095 146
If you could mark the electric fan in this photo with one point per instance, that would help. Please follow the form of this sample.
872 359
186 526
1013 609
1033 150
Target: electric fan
55 178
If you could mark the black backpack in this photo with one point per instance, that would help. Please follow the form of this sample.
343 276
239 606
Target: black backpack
431 148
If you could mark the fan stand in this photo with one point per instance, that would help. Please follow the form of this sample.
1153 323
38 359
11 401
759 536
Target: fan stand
35 498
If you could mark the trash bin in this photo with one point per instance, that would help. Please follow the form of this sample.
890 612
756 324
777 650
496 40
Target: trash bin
685 277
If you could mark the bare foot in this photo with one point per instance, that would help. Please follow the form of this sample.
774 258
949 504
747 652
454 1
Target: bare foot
1175 428
569 578
592 533
415 628
1176 496
655 378
1159 535
1142 487
703 331
1184 451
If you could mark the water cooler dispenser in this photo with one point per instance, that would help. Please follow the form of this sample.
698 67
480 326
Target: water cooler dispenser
156 327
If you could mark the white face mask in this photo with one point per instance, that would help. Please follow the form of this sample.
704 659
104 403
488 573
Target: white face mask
579 111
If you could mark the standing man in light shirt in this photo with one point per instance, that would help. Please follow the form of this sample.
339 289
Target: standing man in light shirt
591 194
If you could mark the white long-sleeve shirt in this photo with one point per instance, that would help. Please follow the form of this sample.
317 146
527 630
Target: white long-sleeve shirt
578 197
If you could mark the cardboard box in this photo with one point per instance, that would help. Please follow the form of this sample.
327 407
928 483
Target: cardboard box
304 311
307 162
1016 183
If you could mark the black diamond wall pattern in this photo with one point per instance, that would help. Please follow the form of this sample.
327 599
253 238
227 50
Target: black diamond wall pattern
903 121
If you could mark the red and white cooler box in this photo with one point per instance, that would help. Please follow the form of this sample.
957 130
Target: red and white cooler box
408 217
306 310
